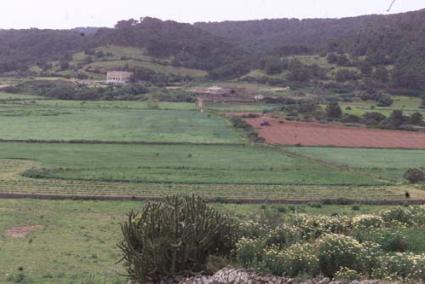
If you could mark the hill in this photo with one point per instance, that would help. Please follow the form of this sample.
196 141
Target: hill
367 52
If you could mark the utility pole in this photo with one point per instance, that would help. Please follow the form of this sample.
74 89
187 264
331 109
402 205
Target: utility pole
391 6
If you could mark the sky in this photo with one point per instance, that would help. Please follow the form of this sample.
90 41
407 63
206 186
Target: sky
60 14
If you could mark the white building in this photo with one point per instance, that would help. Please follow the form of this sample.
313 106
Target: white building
118 77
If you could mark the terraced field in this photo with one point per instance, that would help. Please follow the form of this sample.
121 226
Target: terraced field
227 168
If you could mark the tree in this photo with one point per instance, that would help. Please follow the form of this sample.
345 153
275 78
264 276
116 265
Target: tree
397 118
344 75
366 68
414 175
333 111
372 118
380 74
416 119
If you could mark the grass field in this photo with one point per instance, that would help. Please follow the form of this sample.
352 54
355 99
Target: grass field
76 242
122 121
189 164
390 164
408 105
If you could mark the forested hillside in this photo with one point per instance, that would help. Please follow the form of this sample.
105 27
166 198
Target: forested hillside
370 51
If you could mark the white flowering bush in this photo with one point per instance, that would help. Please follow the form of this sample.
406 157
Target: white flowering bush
300 259
253 229
399 216
283 235
336 251
368 257
312 227
273 259
401 266
367 221
249 252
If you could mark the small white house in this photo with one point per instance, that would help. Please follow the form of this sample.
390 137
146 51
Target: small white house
118 77
258 98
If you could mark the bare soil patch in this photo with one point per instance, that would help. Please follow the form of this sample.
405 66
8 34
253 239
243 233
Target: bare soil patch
23 231
317 134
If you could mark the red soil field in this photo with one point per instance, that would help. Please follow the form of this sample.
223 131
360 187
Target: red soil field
317 134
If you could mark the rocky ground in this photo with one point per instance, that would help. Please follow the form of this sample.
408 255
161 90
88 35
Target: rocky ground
242 276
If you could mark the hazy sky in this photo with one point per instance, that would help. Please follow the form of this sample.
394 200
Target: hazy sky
73 13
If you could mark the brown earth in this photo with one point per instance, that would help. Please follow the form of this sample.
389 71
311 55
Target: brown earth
317 134
22 232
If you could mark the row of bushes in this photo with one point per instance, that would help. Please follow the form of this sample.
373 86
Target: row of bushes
250 132
182 235
61 89
332 255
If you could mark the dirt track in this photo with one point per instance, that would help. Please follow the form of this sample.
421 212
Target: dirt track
316 134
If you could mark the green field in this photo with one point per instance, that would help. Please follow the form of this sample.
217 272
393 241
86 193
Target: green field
102 121
77 240
408 105
189 164
388 163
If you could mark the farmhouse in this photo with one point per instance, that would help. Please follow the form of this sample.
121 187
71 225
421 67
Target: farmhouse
118 77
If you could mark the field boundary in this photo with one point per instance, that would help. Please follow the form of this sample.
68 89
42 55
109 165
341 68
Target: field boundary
338 201
331 164
92 142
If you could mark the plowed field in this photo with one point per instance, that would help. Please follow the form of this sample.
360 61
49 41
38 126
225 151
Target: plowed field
316 134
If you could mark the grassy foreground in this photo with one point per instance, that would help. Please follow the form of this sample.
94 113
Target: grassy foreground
76 242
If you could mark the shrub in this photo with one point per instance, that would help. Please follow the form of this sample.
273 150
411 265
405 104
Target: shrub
283 235
250 252
312 227
392 241
401 215
345 273
368 257
273 260
174 237
367 221
300 259
337 251
414 175
355 208
401 266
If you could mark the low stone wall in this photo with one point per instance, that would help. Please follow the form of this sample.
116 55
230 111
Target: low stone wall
242 276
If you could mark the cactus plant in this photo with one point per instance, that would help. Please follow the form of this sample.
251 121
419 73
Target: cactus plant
174 237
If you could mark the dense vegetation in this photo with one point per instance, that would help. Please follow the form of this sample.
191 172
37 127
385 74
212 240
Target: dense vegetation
294 245
370 52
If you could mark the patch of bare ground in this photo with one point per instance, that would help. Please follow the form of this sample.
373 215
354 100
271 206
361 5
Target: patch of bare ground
22 231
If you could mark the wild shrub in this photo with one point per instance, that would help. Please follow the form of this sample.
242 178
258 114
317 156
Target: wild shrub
400 215
250 252
414 175
300 259
400 266
312 227
347 274
283 235
367 221
335 251
174 237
